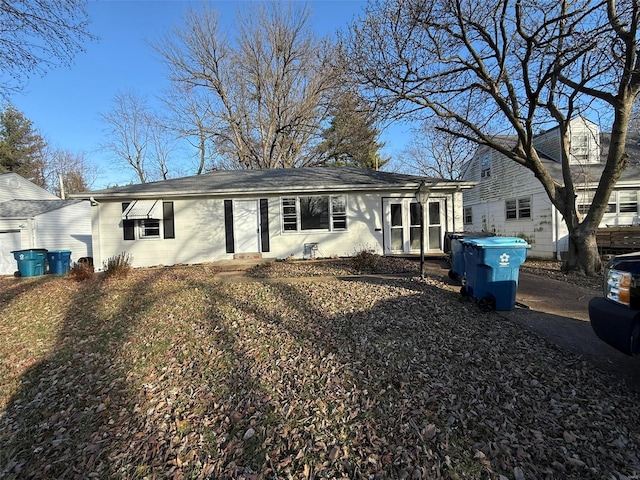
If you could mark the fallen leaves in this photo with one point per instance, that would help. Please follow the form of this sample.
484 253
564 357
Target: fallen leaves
354 378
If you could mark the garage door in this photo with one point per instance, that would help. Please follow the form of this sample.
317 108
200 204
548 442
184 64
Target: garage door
9 241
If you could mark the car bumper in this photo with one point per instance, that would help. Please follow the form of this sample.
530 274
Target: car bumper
617 325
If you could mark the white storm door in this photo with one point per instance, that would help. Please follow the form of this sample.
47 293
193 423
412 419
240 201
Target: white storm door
246 226
435 221
401 226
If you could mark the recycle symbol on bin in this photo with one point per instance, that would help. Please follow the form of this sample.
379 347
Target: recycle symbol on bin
504 259
22 256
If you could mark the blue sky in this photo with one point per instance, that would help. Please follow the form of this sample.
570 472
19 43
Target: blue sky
65 105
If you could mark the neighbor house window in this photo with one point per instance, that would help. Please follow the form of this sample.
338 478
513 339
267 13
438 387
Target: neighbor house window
584 202
518 208
314 213
485 167
468 215
619 202
627 202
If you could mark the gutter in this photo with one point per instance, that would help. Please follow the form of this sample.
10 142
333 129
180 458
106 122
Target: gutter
437 186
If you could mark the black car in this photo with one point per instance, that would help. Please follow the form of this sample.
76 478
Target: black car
615 318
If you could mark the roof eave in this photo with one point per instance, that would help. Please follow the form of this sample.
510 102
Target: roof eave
446 185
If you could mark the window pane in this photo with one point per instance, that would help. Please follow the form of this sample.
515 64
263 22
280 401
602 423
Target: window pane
396 239
468 215
511 209
396 215
628 202
289 217
414 213
314 213
150 228
435 237
414 232
339 211
584 201
434 213
524 207
485 167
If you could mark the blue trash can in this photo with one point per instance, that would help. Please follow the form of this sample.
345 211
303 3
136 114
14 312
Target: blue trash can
59 261
492 266
31 262
453 246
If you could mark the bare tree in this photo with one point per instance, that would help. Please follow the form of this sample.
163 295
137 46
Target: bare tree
193 121
266 89
434 152
36 36
509 67
71 169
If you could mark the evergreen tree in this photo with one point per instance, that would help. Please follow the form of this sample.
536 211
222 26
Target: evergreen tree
352 138
22 148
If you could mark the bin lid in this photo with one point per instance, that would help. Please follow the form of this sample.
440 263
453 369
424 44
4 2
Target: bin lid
497 242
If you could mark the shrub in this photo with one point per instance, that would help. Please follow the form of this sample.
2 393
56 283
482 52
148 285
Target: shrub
118 265
81 271
365 261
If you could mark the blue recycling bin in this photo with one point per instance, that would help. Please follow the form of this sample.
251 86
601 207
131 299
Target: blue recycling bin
31 262
59 261
492 266
453 245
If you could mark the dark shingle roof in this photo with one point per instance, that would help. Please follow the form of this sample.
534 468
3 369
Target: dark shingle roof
267 181
31 208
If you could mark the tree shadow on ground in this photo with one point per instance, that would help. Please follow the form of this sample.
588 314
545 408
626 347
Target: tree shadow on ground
171 373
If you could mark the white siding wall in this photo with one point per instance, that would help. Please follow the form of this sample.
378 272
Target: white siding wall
364 230
14 187
67 228
511 181
200 231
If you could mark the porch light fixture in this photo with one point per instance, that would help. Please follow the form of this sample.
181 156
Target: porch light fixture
422 196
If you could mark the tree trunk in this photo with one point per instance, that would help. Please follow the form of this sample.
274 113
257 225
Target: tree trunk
583 256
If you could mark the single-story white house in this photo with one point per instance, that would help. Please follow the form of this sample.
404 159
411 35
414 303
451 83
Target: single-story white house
509 201
31 217
279 213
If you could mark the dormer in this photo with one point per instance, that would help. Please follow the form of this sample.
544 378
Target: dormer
584 140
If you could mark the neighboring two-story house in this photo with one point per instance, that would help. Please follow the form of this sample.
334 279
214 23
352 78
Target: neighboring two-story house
508 200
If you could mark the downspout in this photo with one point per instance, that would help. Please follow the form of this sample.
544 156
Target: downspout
95 219
31 222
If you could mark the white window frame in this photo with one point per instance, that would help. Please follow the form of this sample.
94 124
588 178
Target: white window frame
142 228
614 204
468 215
485 167
335 217
517 209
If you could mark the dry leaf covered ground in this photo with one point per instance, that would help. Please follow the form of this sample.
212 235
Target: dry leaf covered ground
171 373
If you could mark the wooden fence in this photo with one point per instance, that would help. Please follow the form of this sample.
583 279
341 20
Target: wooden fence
618 240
